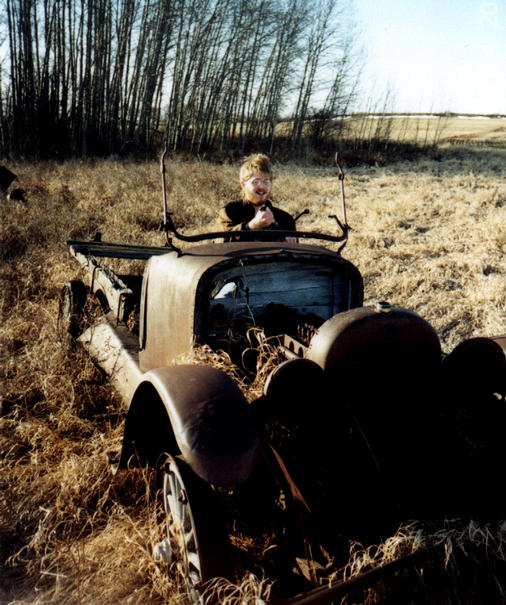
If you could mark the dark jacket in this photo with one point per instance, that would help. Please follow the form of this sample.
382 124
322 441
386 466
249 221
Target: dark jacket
235 216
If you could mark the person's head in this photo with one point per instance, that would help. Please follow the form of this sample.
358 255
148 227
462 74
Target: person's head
255 177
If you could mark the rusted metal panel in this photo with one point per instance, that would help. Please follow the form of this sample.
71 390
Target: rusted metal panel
292 348
212 422
174 308
235 249
225 250
104 280
477 365
382 338
107 250
168 308
115 350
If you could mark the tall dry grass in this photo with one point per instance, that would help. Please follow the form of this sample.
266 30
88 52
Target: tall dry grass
428 235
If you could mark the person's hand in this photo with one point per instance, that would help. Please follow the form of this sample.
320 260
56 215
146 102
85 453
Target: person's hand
262 219
291 240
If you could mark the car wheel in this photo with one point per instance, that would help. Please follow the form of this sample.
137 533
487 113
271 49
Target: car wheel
197 543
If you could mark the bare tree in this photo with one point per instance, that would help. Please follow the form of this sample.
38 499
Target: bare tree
89 77
316 46
292 19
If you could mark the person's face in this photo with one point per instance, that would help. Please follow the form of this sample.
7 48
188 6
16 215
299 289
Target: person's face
257 188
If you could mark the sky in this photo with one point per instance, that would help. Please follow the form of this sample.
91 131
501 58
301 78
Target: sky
435 55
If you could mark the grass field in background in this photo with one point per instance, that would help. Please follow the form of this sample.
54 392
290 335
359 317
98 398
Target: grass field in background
428 235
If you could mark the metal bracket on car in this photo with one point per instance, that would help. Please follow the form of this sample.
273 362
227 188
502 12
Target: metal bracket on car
324 595
267 235
168 240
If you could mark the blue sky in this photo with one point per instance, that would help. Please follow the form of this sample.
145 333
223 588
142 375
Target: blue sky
436 55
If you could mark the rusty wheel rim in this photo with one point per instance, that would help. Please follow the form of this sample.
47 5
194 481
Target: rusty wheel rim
181 529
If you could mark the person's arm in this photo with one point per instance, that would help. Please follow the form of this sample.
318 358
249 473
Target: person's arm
225 223
286 222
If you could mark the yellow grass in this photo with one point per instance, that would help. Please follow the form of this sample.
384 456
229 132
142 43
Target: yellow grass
424 129
427 235
474 129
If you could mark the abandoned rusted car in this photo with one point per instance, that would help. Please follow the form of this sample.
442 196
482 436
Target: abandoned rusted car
363 422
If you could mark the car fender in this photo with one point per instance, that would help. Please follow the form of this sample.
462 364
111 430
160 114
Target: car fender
366 346
198 412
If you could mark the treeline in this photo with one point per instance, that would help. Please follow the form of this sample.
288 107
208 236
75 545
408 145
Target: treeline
99 77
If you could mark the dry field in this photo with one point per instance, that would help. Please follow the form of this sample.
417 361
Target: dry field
428 235
457 130
478 130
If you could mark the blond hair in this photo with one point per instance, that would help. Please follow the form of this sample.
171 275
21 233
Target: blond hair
258 162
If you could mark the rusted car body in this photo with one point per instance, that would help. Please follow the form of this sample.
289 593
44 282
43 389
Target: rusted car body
361 401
